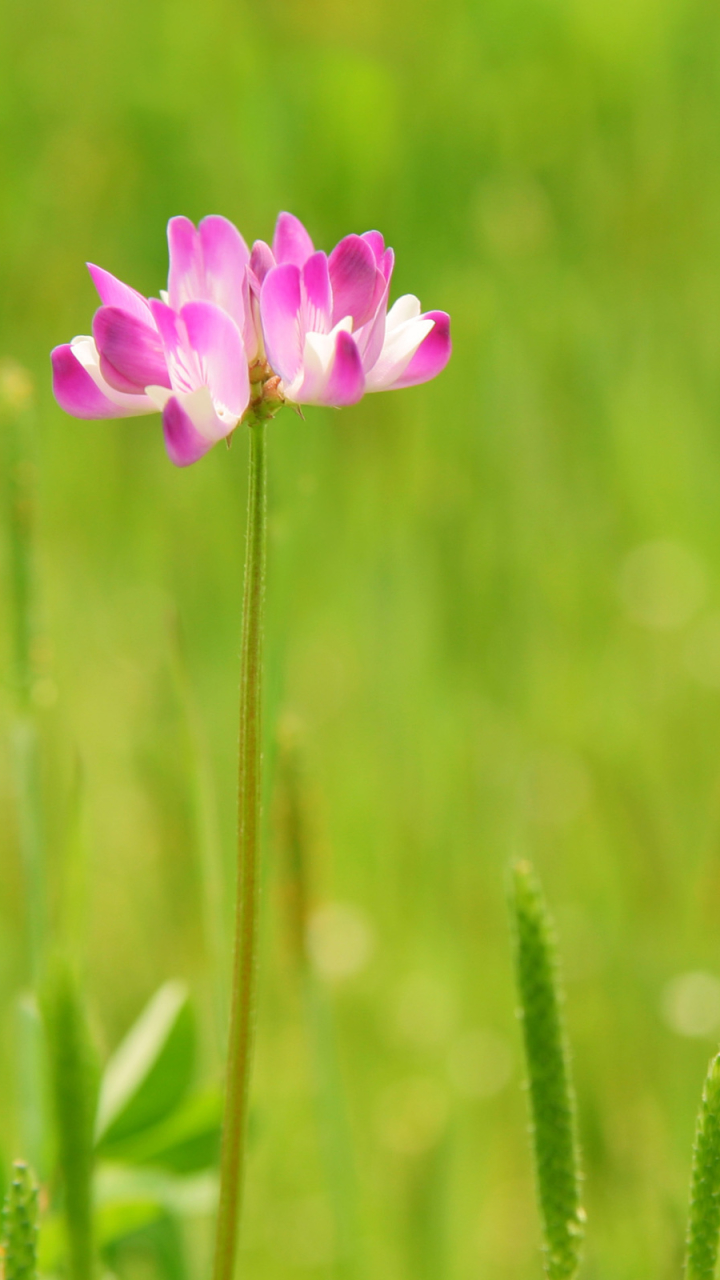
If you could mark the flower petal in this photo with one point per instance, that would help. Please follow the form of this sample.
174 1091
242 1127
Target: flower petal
291 242
184 443
279 310
402 339
85 394
352 275
262 260
432 355
185 277
225 256
317 294
346 383
376 242
183 365
216 340
113 293
130 348
371 336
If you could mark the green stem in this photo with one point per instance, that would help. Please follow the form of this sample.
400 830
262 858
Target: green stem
244 971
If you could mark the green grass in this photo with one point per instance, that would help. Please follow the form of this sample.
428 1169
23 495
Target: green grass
444 612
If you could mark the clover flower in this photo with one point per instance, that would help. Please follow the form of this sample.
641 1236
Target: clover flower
325 323
237 334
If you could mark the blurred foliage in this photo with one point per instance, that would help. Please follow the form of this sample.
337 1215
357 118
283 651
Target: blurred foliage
494 602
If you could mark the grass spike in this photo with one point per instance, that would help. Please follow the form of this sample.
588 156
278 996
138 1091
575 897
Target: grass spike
551 1098
704 1219
20 1230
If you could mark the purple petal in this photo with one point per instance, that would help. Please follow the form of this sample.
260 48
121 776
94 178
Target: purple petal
225 257
183 441
431 356
77 393
352 275
130 350
291 242
376 242
346 383
279 307
317 294
113 293
216 340
185 278
262 260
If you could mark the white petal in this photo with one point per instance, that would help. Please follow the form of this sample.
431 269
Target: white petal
401 343
406 308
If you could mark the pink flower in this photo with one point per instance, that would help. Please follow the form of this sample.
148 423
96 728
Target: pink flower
186 356
196 355
328 333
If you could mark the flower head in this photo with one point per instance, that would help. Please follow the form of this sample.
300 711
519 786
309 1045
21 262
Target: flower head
186 355
238 333
325 320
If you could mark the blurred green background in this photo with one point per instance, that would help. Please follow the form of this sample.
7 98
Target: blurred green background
493 603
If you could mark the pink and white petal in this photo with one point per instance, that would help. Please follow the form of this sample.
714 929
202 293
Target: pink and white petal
184 443
113 293
291 242
371 336
346 383
130 349
183 365
225 259
86 395
432 355
352 276
401 343
217 342
262 260
376 242
185 278
317 294
280 300
319 359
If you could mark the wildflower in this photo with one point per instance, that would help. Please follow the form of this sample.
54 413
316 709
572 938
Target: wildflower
185 356
237 334
327 331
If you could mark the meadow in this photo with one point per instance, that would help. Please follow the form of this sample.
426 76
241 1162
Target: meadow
493 611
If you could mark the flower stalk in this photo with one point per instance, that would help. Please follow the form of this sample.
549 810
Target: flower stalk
244 969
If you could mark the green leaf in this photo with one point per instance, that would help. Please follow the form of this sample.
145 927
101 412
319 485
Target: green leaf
151 1071
20 1213
551 1098
186 1141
